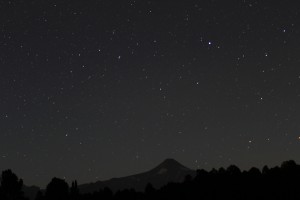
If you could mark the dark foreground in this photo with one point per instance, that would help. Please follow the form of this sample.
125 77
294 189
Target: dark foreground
271 183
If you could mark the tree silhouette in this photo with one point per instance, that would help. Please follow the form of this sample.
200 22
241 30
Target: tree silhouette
11 186
107 193
254 172
39 195
270 183
74 192
233 170
57 189
290 164
149 189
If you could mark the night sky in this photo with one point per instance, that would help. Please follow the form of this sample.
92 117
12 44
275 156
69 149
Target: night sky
97 89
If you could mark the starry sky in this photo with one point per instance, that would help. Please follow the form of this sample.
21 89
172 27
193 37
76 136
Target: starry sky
97 89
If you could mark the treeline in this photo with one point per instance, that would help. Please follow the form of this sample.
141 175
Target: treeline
271 183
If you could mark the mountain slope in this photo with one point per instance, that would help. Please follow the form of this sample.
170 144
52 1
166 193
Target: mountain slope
168 171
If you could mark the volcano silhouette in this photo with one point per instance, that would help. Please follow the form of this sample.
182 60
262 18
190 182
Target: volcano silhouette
168 171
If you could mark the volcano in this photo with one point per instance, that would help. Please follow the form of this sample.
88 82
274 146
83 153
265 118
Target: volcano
168 171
